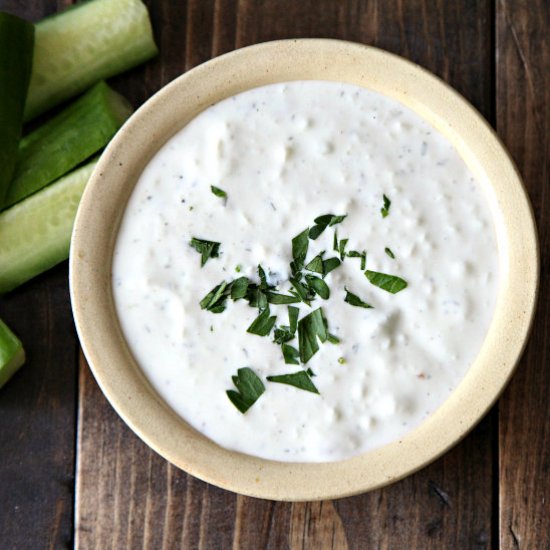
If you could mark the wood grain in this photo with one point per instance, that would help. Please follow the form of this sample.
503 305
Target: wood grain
37 419
523 122
127 496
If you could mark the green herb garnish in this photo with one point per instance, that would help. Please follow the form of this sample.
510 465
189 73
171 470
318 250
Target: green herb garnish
311 328
316 265
389 253
385 210
362 255
278 299
354 300
329 265
216 299
318 286
322 222
263 324
342 248
207 249
299 380
389 283
239 288
219 192
290 354
249 388
300 244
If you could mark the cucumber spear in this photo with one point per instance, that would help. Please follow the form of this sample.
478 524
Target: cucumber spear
88 42
35 234
67 140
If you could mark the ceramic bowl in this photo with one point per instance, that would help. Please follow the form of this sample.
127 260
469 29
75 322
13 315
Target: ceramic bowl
168 111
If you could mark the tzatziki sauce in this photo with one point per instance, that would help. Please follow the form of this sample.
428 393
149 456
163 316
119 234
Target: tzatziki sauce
228 193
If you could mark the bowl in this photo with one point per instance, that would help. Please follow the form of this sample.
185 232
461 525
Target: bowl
113 180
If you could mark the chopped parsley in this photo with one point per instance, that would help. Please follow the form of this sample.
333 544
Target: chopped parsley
263 324
389 283
207 249
249 389
300 380
362 255
389 253
385 210
322 222
318 286
219 192
311 328
354 300
290 354
216 299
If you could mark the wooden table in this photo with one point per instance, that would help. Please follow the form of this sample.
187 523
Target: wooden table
71 473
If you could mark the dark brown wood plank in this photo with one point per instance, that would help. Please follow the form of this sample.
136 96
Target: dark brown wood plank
38 406
523 122
127 495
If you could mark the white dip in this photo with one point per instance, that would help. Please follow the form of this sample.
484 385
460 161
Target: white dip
286 154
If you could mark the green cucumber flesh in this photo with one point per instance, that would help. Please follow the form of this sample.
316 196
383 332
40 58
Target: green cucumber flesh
35 234
16 49
86 43
12 354
67 140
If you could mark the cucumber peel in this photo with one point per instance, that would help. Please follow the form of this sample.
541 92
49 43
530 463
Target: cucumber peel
88 42
35 234
12 354
67 140
16 50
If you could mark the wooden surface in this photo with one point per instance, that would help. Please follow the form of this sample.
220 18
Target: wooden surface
491 491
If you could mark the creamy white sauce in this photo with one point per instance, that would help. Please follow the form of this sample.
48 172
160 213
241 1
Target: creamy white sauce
286 154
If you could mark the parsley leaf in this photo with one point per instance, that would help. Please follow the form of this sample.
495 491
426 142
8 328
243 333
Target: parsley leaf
342 248
385 210
263 324
354 300
329 265
216 299
310 328
362 255
318 286
299 380
278 299
389 253
219 192
239 288
316 265
389 283
322 222
207 249
290 354
300 244
249 388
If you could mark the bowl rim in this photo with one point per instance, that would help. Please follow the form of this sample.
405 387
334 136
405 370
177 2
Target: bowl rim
104 200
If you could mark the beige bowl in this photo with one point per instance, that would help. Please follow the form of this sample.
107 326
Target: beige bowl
168 111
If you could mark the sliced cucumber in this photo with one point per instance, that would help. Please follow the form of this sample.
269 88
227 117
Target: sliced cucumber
12 354
67 140
35 234
86 43
16 47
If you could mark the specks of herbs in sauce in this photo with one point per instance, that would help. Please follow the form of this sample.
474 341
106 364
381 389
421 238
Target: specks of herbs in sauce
389 253
219 193
385 210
